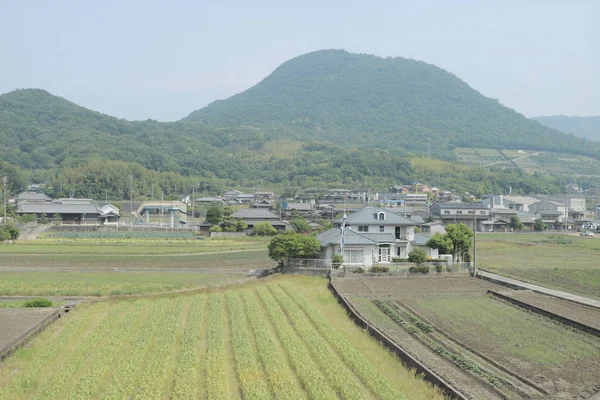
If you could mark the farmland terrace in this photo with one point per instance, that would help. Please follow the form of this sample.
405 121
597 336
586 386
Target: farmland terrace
487 347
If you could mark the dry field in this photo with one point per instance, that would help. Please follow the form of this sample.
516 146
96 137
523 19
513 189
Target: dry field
486 347
278 338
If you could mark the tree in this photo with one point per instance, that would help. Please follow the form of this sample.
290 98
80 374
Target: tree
241 225
293 245
462 238
440 242
539 225
417 256
9 232
56 220
43 219
214 215
215 228
264 229
300 225
515 223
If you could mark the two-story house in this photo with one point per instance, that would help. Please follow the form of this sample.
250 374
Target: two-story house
371 235
468 213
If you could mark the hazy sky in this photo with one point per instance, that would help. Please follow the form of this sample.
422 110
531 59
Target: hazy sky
164 59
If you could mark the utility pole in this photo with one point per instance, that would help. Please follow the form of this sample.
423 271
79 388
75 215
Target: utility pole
162 198
474 243
4 180
193 202
131 201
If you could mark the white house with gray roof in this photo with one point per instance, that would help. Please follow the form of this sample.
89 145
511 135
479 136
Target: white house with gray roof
372 235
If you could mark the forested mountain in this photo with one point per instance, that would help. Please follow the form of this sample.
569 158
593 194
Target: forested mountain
326 118
585 127
367 101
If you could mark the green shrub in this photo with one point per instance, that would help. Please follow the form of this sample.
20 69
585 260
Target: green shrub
38 303
419 269
337 260
359 270
417 255
215 228
438 267
399 260
379 269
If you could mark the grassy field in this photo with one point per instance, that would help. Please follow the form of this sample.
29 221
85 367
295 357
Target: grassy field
89 245
529 344
565 262
106 283
284 338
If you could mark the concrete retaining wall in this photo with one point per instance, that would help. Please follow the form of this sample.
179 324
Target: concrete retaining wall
227 234
21 340
306 271
546 313
406 358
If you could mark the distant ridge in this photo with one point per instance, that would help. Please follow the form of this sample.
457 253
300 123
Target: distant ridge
368 101
584 127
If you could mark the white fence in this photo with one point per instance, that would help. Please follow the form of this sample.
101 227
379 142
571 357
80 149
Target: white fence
307 263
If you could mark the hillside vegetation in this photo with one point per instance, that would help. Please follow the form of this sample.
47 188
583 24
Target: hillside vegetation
325 118
367 101
584 127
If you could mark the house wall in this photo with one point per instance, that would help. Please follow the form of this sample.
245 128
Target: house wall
410 230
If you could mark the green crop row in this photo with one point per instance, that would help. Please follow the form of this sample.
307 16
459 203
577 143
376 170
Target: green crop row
56 384
280 377
367 373
152 378
27 380
306 369
216 379
186 372
336 371
249 370
124 379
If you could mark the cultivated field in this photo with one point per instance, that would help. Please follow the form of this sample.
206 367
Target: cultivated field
564 262
486 347
283 337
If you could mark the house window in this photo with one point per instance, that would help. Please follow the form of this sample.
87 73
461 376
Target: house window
446 212
381 216
382 229
481 212
459 212
400 232
363 228
354 256
471 211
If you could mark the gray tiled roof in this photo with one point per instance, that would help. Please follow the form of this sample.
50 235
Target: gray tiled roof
332 236
365 216
420 239
254 213
469 206
53 208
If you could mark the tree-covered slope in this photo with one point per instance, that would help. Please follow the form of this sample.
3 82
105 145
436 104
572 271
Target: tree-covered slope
584 127
368 101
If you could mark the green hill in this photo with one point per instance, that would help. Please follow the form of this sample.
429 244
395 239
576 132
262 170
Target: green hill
584 127
367 101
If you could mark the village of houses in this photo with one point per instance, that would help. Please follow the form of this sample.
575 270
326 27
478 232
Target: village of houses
379 226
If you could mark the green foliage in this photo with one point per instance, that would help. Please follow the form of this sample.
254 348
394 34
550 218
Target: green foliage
293 245
379 269
214 215
300 225
584 127
462 240
441 242
215 228
43 218
439 267
56 219
417 256
539 225
422 269
515 223
27 218
9 232
264 229
38 303
337 260
241 225
358 270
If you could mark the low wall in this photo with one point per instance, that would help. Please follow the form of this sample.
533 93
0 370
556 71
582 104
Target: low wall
306 271
546 313
406 358
227 234
21 340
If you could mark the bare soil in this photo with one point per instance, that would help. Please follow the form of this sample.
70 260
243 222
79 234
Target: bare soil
584 315
16 322
572 381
